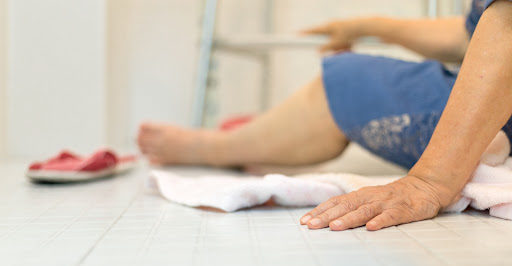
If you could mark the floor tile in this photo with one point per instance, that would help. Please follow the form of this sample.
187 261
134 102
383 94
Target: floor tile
115 222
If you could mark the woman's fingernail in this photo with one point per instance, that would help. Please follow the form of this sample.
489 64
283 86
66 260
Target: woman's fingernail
315 222
371 224
337 223
305 219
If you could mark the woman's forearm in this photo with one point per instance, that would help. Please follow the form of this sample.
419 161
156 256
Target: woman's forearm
480 103
444 39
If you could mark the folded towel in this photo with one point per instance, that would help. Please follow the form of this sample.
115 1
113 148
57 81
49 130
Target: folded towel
489 188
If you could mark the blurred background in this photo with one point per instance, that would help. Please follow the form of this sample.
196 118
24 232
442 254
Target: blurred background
80 74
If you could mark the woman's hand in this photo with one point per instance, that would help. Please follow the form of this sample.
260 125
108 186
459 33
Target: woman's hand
342 34
406 200
444 38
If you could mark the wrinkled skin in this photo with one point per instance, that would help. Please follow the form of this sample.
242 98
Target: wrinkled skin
480 104
406 200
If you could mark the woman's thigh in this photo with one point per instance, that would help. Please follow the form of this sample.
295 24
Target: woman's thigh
388 106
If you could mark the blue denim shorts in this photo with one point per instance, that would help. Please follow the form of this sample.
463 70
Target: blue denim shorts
390 107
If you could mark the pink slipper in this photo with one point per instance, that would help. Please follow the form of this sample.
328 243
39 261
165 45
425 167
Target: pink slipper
68 167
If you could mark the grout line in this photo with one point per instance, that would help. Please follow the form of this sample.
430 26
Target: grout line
151 234
494 226
365 244
68 225
429 251
303 234
91 249
29 221
199 239
255 243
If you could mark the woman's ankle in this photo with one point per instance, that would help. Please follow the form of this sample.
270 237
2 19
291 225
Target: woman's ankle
215 149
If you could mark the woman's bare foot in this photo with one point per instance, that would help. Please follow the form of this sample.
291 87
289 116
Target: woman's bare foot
166 144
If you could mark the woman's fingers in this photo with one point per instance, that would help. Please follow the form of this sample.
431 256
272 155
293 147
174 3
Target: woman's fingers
320 30
388 218
334 46
403 214
406 200
322 220
338 41
356 218
336 207
324 206
331 46
319 209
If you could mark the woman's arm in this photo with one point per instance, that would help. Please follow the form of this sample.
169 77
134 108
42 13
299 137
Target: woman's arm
480 104
444 39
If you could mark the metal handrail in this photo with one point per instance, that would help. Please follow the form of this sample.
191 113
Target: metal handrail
208 44
205 52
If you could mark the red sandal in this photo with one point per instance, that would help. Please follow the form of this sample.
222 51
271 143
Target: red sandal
68 167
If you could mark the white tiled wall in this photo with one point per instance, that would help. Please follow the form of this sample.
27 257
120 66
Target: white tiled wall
84 73
3 60
292 68
56 76
151 63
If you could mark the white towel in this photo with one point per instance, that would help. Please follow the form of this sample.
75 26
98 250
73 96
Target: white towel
489 188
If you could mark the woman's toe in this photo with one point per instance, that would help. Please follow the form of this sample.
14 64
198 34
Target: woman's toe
143 149
147 127
142 144
154 160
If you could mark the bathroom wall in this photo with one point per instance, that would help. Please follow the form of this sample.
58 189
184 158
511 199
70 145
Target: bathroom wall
3 60
84 73
152 48
291 68
56 76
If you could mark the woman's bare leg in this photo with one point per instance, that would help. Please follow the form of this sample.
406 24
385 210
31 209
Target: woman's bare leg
300 131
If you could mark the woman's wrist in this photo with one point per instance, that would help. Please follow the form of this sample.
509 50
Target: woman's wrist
447 180
358 27
374 26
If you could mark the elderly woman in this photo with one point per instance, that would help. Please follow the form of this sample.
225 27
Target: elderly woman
422 116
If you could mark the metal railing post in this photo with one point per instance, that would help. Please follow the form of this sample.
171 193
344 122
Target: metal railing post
205 54
432 8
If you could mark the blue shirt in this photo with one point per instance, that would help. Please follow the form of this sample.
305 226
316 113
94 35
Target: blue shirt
477 9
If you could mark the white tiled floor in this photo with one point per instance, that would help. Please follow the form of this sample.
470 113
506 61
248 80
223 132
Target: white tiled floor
116 222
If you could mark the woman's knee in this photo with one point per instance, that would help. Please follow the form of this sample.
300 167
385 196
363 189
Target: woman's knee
344 63
348 70
349 62
314 90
